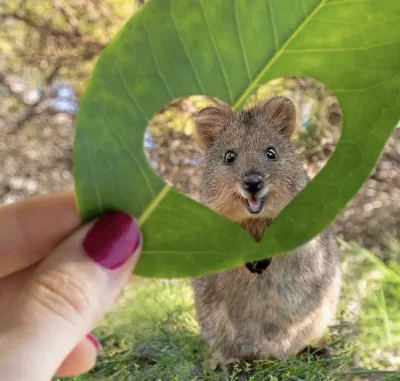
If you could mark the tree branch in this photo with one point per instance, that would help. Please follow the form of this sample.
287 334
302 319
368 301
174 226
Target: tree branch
49 29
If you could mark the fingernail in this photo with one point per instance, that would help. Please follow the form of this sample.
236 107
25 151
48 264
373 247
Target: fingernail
94 341
112 240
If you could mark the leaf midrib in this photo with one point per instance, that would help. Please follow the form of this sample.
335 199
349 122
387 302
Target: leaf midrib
153 204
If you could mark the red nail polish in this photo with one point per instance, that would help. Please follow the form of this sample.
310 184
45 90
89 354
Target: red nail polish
94 341
113 239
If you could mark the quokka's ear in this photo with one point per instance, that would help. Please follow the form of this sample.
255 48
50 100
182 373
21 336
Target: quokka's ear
280 112
210 122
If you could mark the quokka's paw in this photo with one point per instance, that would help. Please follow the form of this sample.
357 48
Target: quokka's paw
258 266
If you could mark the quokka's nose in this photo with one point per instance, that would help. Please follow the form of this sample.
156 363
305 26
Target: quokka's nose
253 182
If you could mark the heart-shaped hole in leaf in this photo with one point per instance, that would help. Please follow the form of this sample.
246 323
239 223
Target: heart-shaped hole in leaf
224 49
175 152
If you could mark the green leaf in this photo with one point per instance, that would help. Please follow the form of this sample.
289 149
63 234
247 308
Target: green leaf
226 49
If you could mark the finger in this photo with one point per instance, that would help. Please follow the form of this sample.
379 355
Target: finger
11 285
83 356
81 359
31 229
68 294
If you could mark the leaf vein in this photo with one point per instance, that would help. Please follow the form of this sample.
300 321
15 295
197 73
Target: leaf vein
133 98
202 252
265 69
155 60
365 89
196 74
216 51
353 49
96 189
348 2
241 41
304 8
162 221
130 152
274 32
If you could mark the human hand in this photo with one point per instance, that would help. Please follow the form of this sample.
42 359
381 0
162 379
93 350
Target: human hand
57 280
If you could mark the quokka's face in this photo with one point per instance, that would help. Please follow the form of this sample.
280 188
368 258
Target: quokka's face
251 169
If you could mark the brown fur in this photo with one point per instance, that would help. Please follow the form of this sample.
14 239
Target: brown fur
247 316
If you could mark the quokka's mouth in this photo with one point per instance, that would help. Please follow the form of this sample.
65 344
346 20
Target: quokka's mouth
255 205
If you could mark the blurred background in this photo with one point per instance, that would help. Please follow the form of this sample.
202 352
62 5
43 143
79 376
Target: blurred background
47 51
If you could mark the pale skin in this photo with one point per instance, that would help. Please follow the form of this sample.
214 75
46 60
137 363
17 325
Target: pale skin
43 332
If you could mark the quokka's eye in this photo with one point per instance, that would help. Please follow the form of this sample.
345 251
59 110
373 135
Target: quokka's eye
229 156
271 153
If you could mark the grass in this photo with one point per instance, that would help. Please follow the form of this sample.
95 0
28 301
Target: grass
153 335
373 301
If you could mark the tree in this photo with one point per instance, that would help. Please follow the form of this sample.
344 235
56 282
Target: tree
48 49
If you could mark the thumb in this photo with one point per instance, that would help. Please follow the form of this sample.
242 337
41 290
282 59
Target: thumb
68 294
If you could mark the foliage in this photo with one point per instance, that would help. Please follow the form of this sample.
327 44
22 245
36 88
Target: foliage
143 69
